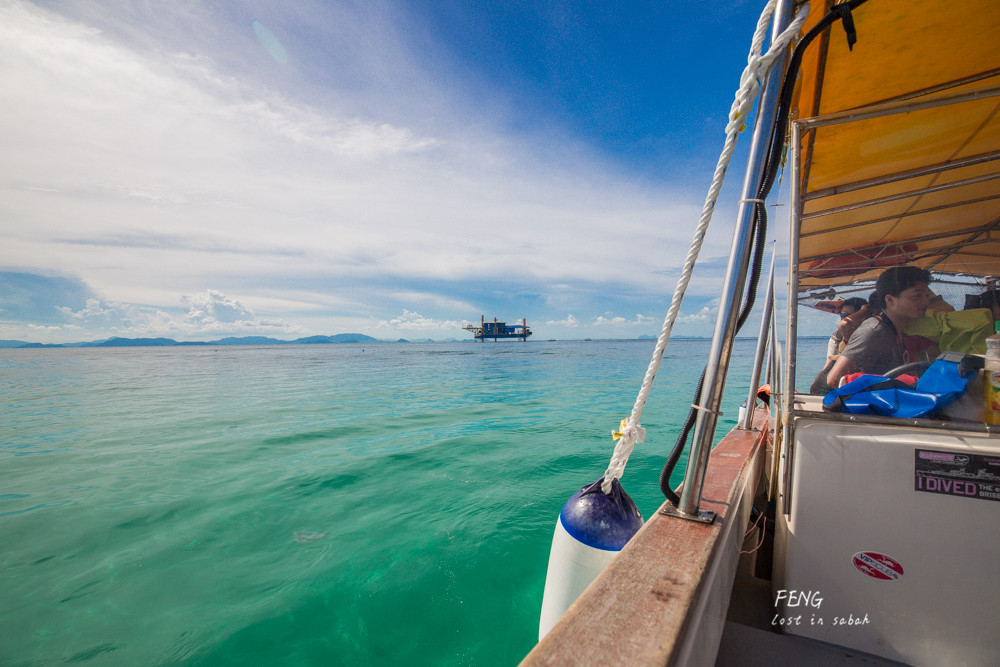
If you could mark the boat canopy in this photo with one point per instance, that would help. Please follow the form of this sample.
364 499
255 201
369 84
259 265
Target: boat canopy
900 165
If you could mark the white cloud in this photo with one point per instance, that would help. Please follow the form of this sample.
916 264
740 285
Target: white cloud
570 321
117 317
705 315
641 319
618 321
100 319
48 329
94 308
213 311
411 321
209 313
436 301
215 307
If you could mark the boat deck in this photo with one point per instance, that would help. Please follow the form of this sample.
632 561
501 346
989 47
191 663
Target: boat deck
749 640
744 646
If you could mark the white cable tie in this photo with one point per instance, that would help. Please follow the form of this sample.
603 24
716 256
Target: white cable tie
717 413
753 201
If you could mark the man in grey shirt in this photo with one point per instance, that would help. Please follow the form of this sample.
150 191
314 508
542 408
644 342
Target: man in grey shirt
877 346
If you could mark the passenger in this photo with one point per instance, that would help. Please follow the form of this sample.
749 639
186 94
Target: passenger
960 331
873 302
901 293
848 309
849 324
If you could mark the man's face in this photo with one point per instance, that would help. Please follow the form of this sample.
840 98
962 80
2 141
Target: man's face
911 304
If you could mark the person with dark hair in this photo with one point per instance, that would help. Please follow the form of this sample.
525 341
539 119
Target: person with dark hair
853 312
873 303
848 309
902 295
848 325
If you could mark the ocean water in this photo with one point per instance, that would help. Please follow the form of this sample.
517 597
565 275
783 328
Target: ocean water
308 505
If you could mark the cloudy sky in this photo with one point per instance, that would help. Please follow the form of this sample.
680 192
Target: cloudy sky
197 169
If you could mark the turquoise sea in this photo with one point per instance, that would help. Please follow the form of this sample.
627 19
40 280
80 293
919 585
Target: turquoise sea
373 504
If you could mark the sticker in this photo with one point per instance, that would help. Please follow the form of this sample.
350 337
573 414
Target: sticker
957 474
878 566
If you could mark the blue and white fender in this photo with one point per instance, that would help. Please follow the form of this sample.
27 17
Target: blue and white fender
590 531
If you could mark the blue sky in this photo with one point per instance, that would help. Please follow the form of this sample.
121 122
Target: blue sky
201 169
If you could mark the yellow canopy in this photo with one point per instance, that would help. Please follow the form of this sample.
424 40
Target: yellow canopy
900 151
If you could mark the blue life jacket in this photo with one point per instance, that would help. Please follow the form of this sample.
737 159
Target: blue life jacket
940 385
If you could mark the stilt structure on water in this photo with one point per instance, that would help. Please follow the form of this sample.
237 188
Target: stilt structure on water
497 329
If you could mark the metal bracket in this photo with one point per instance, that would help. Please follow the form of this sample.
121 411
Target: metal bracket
703 516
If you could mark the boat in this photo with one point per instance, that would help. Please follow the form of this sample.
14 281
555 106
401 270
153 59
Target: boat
806 536
497 329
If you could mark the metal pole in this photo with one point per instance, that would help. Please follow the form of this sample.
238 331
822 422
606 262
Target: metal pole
777 386
793 272
739 259
795 226
762 338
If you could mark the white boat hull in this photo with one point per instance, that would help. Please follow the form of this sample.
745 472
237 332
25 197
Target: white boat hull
889 546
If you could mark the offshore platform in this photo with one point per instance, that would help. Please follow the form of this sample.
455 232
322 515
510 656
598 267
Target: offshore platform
497 330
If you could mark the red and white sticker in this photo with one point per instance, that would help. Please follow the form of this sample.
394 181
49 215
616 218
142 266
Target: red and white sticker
878 566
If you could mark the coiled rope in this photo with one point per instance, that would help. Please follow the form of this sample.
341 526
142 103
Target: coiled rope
630 430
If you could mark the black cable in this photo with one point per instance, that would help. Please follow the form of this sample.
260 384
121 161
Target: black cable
772 161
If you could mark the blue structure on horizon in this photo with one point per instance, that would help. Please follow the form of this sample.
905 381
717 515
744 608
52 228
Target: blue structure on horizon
497 329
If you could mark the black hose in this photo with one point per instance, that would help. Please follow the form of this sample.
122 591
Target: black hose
772 161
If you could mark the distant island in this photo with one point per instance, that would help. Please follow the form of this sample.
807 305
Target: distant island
169 342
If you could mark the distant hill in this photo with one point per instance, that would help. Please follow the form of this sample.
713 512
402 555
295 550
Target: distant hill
248 340
338 338
170 342
137 342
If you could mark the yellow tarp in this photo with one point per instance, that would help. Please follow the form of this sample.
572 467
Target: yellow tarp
874 191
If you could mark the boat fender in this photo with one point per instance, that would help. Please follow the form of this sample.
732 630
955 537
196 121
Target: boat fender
590 531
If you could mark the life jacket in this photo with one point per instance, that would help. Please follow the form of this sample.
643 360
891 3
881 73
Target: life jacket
940 385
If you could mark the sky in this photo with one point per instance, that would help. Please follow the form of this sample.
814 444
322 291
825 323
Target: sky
200 169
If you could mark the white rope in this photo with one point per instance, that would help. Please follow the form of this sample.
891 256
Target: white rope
630 431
